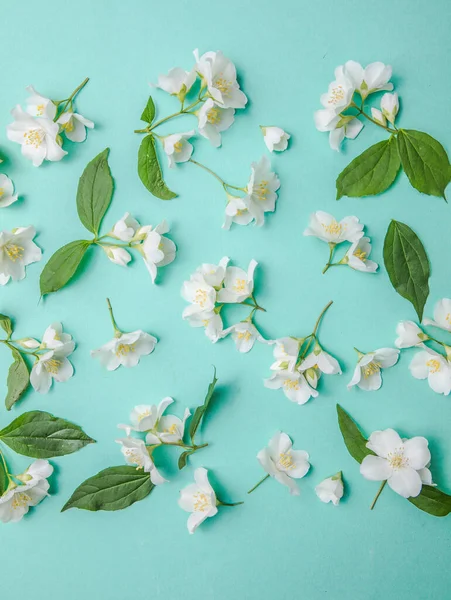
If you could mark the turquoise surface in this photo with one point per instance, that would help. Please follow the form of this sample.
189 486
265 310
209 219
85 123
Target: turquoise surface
275 545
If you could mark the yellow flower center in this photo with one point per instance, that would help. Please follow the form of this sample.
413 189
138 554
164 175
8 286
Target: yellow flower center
223 85
172 429
336 95
14 252
291 384
34 137
52 366
370 369
244 335
201 502
135 458
40 108
333 228
239 285
286 460
143 415
2 192
200 297
124 349
178 146
434 365
397 460
214 116
20 500
261 190
360 254
69 126
447 318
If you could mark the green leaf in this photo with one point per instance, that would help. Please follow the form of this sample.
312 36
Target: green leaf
148 114
425 162
114 488
18 379
62 266
372 172
352 436
433 501
407 264
6 324
201 410
41 435
149 170
183 458
95 190
3 479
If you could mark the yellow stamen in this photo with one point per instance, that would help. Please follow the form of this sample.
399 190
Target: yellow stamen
333 228
214 116
135 458
360 254
239 285
14 252
286 460
34 137
336 95
244 335
291 384
200 297
261 190
20 500
223 85
2 192
178 146
69 126
397 460
201 502
370 369
434 365
124 349
52 366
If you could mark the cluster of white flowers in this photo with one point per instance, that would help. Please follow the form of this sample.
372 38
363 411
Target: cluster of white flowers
350 79
428 363
211 287
402 463
158 429
7 195
367 373
156 249
38 128
17 250
33 488
326 228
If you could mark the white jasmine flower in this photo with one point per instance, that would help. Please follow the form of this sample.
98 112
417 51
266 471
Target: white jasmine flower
17 250
339 94
201 295
294 385
177 81
210 320
199 499
212 120
390 106
38 105
7 196
54 337
331 489
442 315
52 365
117 255
237 211
318 362
283 463
286 351
219 75
276 139
238 285
38 137
325 227
367 374
74 126
177 147
357 256
213 274
373 78
262 187
125 350
397 461
409 334
36 472
378 116
436 368
171 429
145 417
338 127
156 249
125 229
135 453
244 334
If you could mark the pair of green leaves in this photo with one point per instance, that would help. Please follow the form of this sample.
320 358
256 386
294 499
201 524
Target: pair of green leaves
95 191
422 157
18 375
430 500
116 488
149 169
407 264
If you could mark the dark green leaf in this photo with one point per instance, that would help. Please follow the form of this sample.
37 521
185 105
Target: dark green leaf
407 264
114 488
183 458
18 379
6 325
149 170
433 501
62 266
370 173
94 193
3 479
425 162
41 435
148 114
352 436
201 410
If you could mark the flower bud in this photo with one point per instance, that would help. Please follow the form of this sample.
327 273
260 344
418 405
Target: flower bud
390 106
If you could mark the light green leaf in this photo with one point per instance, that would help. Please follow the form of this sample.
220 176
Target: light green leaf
6 324
3 479
183 458
62 266
352 436
433 501
148 114
149 170
18 379
201 410
114 488
41 435
425 162
95 190
407 264
370 173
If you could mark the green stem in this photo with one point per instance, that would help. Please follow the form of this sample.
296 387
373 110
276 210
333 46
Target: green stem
257 484
5 466
216 176
255 305
379 492
10 345
367 116
71 97
182 111
318 320
331 254
221 503
117 331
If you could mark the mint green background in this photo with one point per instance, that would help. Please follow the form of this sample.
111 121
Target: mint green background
275 546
